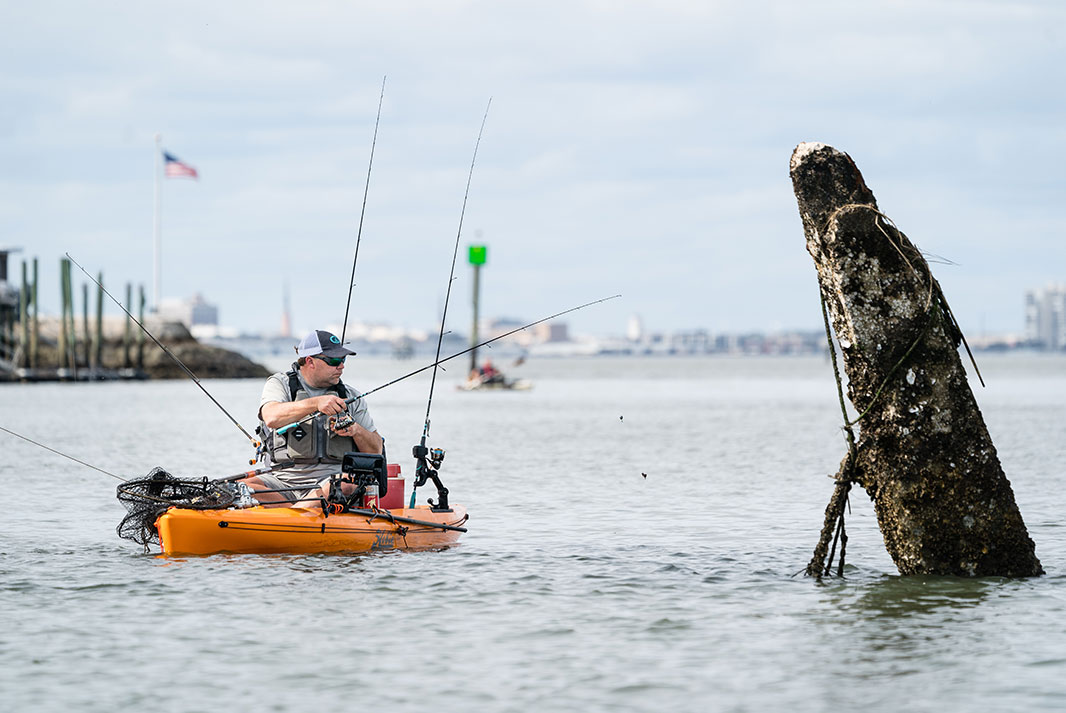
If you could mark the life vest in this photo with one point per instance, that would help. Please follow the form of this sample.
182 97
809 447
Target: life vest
309 442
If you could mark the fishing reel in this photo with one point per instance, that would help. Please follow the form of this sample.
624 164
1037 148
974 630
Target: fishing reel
260 446
341 421
427 461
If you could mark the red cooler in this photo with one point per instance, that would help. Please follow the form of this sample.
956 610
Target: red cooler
394 498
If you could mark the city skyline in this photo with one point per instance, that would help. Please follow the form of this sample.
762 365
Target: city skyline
1042 318
1043 307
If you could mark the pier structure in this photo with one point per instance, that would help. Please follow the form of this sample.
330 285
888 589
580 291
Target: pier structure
33 348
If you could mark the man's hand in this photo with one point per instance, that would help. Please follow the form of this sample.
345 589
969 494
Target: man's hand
329 404
366 441
277 414
348 432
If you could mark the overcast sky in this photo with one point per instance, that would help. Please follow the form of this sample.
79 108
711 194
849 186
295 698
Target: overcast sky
638 148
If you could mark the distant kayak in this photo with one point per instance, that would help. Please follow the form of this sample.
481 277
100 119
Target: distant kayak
478 384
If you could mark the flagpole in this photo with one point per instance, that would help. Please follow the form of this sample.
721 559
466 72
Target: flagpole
157 230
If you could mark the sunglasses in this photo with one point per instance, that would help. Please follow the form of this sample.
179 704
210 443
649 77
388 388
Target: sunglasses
331 361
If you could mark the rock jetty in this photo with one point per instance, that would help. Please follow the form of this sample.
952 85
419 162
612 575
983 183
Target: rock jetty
120 357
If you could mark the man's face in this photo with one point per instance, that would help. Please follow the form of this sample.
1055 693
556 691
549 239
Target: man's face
319 374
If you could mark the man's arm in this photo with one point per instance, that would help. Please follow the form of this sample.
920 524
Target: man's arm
276 414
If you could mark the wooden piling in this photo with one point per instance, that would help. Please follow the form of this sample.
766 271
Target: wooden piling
923 453
140 332
24 318
35 331
63 345
72 335
127 335
85 327
98 337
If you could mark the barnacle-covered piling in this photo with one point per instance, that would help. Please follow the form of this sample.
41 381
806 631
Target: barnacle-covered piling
921 451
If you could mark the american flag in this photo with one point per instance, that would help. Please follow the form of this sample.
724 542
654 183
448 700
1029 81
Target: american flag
177 169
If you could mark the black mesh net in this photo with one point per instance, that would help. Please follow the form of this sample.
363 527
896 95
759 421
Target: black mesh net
149 497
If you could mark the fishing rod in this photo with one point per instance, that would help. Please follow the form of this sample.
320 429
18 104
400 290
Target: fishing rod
408 375
168 352
366 191
422 469
409 520
226 479
371 514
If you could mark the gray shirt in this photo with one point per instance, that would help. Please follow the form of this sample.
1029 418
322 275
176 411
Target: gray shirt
277 389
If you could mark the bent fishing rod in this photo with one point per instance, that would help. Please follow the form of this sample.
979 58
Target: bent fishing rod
167 352
488 341
366 191
455 356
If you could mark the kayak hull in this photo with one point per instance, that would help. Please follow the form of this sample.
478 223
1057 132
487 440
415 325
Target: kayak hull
300 531
476 385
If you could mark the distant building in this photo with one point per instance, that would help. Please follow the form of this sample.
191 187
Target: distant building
193 312
1045 317
547 332
9 310
634 329
200 312
286 315
543 333
9 294
369 332
697 341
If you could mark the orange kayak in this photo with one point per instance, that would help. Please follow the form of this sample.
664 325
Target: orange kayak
297 530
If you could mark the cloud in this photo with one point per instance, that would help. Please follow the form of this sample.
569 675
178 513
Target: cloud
631 147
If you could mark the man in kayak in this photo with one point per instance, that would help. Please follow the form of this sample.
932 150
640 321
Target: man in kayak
305 453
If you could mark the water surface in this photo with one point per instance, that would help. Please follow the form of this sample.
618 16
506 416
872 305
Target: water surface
636 530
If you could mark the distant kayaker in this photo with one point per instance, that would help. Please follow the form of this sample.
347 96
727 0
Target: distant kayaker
308 453
490 374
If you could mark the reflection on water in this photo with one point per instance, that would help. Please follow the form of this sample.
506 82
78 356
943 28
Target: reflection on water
894 596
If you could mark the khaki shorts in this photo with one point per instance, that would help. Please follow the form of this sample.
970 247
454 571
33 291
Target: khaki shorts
308 484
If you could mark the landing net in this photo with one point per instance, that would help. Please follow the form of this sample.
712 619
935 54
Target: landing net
149 497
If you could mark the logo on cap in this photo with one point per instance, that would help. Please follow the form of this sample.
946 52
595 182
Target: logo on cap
333 338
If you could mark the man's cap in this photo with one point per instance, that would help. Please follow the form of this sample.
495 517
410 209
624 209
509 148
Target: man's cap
324 343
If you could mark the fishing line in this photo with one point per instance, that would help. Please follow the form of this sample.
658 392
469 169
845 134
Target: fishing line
366 191
53 450
167 351
451 276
